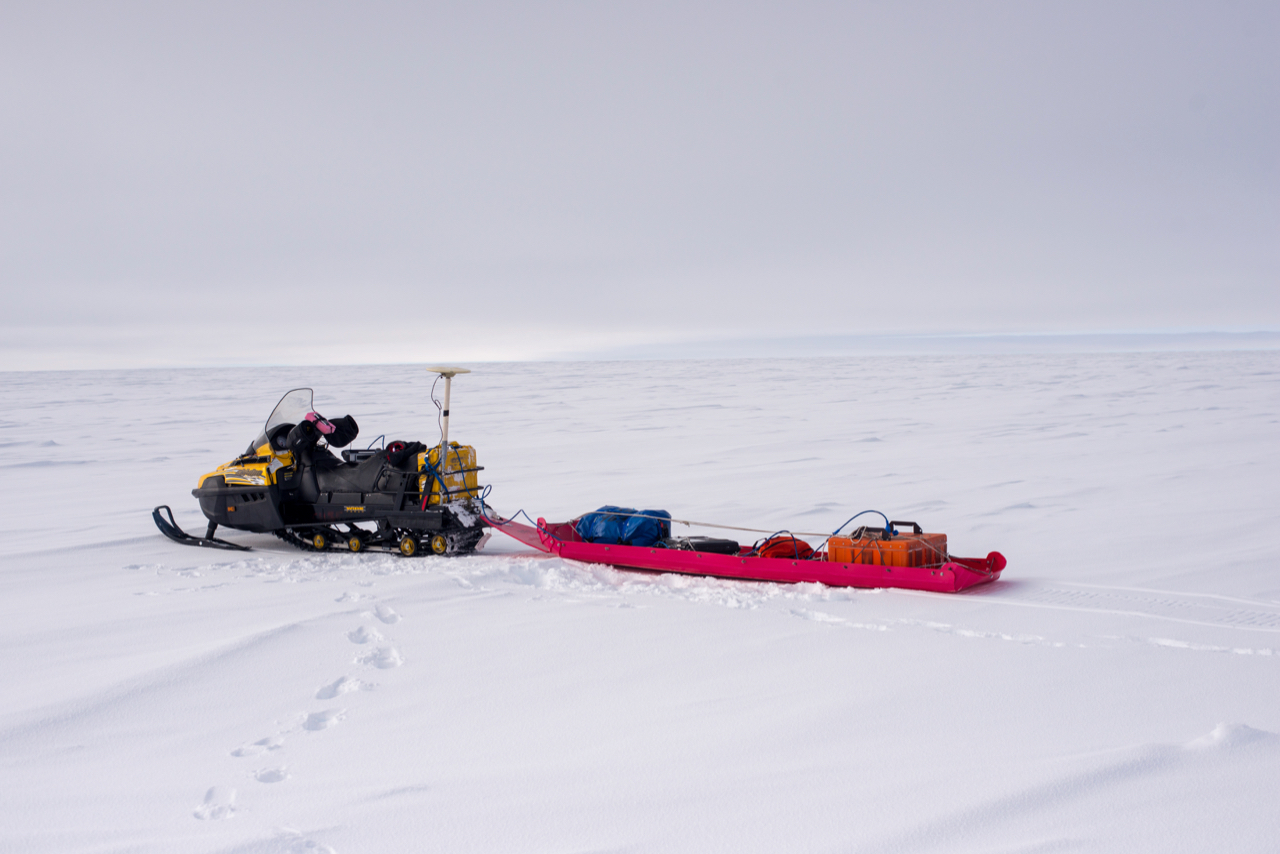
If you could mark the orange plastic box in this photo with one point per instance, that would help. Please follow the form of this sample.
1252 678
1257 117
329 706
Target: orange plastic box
902 550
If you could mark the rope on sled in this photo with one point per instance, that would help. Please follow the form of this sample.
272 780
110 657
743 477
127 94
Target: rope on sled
690 523
686 522
941 555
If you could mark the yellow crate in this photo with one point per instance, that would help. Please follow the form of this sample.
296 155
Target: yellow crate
460 473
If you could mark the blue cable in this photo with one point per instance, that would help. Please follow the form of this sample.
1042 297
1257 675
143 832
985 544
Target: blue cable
887 528
512 518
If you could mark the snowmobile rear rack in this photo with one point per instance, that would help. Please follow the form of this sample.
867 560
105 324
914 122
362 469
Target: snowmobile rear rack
171 530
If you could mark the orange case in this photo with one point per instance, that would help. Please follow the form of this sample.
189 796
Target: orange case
902 550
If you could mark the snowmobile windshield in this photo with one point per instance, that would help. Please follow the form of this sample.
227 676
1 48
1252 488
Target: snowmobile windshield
291 409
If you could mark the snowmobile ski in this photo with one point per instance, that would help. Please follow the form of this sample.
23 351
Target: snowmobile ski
171 530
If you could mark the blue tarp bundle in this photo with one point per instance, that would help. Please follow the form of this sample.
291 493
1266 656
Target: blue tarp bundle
624 526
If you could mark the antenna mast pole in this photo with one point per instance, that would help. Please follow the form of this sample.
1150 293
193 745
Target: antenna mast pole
448 373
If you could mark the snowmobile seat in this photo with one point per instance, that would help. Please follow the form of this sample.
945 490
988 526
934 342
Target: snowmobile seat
350 477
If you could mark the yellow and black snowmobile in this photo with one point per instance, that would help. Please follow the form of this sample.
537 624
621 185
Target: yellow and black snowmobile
289 483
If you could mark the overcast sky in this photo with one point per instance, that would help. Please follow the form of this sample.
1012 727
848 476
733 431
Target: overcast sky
318 181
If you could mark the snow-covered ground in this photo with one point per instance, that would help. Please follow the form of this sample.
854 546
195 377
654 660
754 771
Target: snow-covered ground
1118 690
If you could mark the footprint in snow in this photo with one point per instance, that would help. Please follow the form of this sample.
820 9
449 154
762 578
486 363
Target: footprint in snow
272 775
259 747
219 803
292 841
383 658
342 685
364 635
317 721
387 615
817 616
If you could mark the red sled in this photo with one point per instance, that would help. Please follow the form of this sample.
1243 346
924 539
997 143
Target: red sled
562 540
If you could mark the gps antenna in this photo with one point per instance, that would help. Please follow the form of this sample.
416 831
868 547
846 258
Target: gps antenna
448 373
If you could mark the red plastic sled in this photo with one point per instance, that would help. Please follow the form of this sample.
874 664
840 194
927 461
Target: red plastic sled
562 540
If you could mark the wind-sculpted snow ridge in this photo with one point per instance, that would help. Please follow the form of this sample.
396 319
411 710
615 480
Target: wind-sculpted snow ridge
1043 816
1227 736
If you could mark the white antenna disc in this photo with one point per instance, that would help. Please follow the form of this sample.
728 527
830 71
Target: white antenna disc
447 371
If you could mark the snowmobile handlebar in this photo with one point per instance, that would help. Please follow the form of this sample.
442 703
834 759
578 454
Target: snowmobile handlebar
322 425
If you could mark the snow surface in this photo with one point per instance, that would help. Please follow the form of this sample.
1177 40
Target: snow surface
1118 690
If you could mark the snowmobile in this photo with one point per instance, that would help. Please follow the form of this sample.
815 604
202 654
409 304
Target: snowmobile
403 497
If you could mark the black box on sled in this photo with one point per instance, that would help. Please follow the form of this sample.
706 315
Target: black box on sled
704 544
